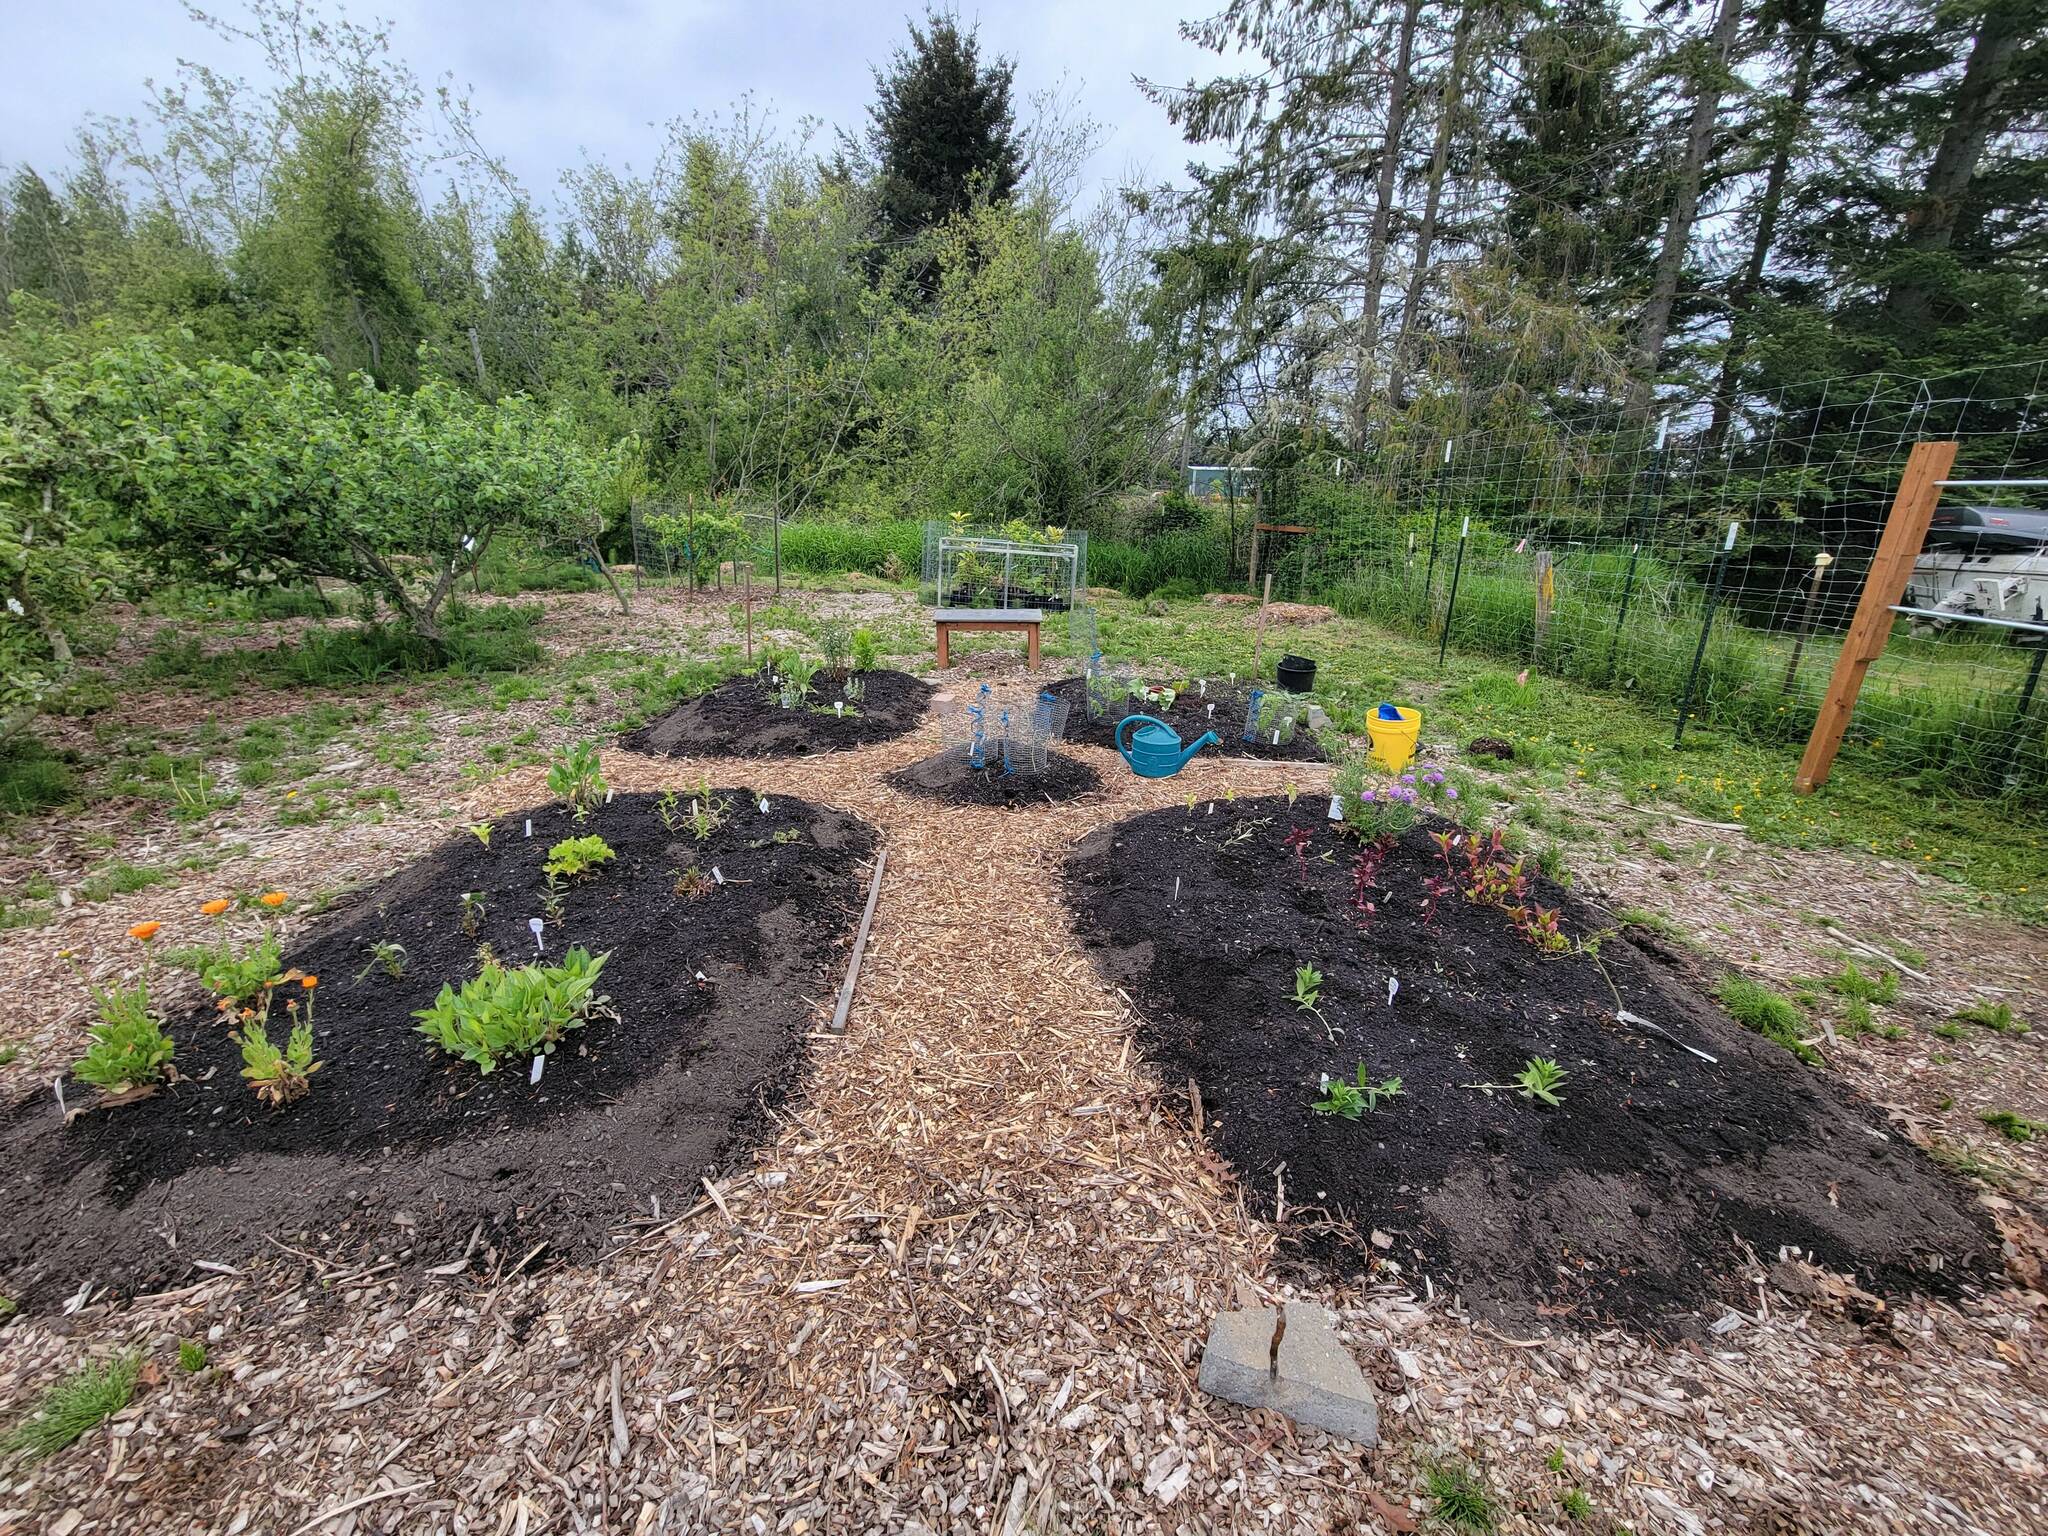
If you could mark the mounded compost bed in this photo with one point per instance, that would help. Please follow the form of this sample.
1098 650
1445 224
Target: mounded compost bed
1622 1203
949 777
743 717
1189 715
400 1150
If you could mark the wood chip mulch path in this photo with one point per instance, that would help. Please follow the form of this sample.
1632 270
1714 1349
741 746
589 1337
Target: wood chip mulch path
965 1290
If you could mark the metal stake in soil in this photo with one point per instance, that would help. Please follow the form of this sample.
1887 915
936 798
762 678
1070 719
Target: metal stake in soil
1706 625
1436 522
1451 607
1628 588
1821 562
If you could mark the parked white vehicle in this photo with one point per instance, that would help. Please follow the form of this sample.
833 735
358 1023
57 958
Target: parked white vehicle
1986 562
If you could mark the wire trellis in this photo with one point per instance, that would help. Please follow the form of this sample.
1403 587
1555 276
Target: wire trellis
1707 563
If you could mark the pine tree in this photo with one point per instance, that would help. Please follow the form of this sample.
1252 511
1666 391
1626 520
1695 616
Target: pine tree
941 131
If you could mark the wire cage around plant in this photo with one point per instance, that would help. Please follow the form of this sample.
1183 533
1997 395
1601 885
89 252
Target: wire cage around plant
1271 716
1107 691
1030 730
1013 567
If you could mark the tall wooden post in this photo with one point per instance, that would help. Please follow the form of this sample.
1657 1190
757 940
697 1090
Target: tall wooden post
1905 531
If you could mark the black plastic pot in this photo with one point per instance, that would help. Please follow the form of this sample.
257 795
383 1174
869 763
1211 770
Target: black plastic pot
1297 674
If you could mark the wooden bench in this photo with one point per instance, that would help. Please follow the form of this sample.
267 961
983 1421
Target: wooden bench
1025 621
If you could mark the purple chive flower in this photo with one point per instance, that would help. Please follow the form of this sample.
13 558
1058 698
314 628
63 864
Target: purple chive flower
1451 793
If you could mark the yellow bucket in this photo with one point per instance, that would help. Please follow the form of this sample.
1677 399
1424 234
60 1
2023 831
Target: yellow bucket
1393 741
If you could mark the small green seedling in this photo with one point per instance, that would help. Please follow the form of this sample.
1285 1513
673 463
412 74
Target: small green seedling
474 909
2011 1126
576 777
1458 1500
191 1356
1540 1078
481 831
1353 1099
387 955
1997 1017
1308 986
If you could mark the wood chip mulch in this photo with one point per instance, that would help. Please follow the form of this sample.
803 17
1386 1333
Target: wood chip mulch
966 1289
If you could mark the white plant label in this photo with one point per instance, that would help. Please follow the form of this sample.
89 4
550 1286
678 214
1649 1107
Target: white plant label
1203 684
1212 711
609 792
716 877
1393 986
529 826
764 805
1276 738
1176 890
702 977
1336 808
536 925
838 710
533 1077
57 1083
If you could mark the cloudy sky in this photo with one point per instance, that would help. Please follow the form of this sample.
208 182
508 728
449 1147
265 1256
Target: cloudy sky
558 81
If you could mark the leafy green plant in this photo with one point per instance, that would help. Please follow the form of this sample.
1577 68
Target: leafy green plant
1986 1014
513 1013
2012 1127
1575 1504
240 977
128 1047
575 776
474 910
481 830
865 654
1540 1078
1350 1100
1756 1007
387 955
191 1356
278 1076
707 813
87 1397
669 809
799 672
1308 987
576 856
835 640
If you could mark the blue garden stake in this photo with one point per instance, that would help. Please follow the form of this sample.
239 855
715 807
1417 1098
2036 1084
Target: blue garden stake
1251 718
976 758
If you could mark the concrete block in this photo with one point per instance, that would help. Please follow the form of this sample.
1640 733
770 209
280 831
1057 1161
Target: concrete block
1311 1378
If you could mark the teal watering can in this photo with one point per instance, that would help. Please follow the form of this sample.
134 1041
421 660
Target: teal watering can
1155 752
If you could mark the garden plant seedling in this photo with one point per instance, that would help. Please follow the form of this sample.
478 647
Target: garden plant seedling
2013 1127
1541 1078
574 857
191 1356
386 955
481 831
1361 1096
500 1013
76 1404
575 777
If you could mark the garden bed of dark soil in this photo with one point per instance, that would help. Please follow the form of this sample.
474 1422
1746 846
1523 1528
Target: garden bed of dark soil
1190 716
1624 1203
401 1151
742 717
948 776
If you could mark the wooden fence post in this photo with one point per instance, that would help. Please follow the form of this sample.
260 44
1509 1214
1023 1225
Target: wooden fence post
1905 531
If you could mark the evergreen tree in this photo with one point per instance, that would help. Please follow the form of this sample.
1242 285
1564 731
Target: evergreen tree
941 131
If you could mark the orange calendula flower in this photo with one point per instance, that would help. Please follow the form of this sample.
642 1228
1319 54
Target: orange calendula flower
145 931
215 907
309 982
272 898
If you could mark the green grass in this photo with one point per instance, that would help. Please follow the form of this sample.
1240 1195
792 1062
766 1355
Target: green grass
74 1405
33 779
1757 1008
1458 1500
2013 1127
1997 1017
479 640
191 1356
1578 735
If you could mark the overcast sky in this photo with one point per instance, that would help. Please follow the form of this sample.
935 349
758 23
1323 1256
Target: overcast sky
557 81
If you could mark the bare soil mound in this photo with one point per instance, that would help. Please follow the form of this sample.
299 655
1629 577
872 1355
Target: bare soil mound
1629 1201
743 717
949 777
400 1150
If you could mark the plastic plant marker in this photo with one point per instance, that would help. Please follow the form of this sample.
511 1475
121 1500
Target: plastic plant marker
529 826
537 925
57 1083
716 877
609 792
1336 808
1393 986
838 710
540 1062
1176 890
764 805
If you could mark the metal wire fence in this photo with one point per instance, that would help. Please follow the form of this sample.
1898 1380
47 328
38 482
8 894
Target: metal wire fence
1707 561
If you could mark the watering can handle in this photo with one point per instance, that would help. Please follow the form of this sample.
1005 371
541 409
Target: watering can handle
1135 720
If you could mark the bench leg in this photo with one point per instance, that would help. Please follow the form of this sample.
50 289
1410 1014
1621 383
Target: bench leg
943 661
1031 648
